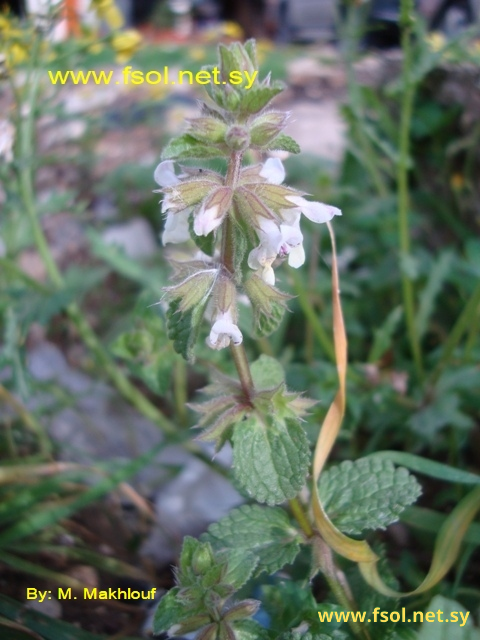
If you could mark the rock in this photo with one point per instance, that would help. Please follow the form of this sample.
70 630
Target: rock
50 607
318 128
310 74
135 237
194 499
100 426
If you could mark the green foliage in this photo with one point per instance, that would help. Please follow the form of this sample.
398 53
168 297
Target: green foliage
284 143
456 622
186 147
366 494
265 532
183 327
205 582
271 458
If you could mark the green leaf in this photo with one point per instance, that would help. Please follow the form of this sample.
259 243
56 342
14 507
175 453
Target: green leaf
170 612
437 276
265 532
271 460
249 630
427 467
284 143
455 614
366 494
240 566
257 98
267 373
186 147
183 327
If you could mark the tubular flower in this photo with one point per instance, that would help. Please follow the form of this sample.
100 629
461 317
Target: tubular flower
7 135
224 331
277 220
201 194
176 224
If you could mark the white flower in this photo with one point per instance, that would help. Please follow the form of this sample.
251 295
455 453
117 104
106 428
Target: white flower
224 331
206 220
314 211
292 239
176 227
262 257
7 134
273 171
176 224
164 174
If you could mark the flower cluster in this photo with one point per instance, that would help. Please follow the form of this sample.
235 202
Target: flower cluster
250 209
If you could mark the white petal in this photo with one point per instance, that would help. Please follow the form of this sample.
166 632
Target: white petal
167 202
291 234
268 275
273 171
164 174
206 220
315 211
176 227
296 257
224 330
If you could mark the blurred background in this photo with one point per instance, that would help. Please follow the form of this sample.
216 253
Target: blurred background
99 480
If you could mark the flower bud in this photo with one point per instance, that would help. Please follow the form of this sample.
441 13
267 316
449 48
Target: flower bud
267 127
243 609
194 289
237 138
188 625
212 211
209 633
207 129
202 559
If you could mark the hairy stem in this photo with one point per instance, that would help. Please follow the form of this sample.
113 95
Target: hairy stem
301 517
338 584
403 169
239 354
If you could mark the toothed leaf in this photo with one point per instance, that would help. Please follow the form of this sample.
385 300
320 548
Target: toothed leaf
271 459
265 532
366 494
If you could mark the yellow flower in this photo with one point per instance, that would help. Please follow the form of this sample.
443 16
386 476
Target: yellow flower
16 54
233 30
197 53
126 43
108 11
457 181
435 40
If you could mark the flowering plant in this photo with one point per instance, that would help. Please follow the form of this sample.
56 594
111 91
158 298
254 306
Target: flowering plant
238 228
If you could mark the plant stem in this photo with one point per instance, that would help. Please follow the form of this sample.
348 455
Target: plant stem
466 319
408 97
180 390
238 352
301 517
30 421
350 37
338 584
